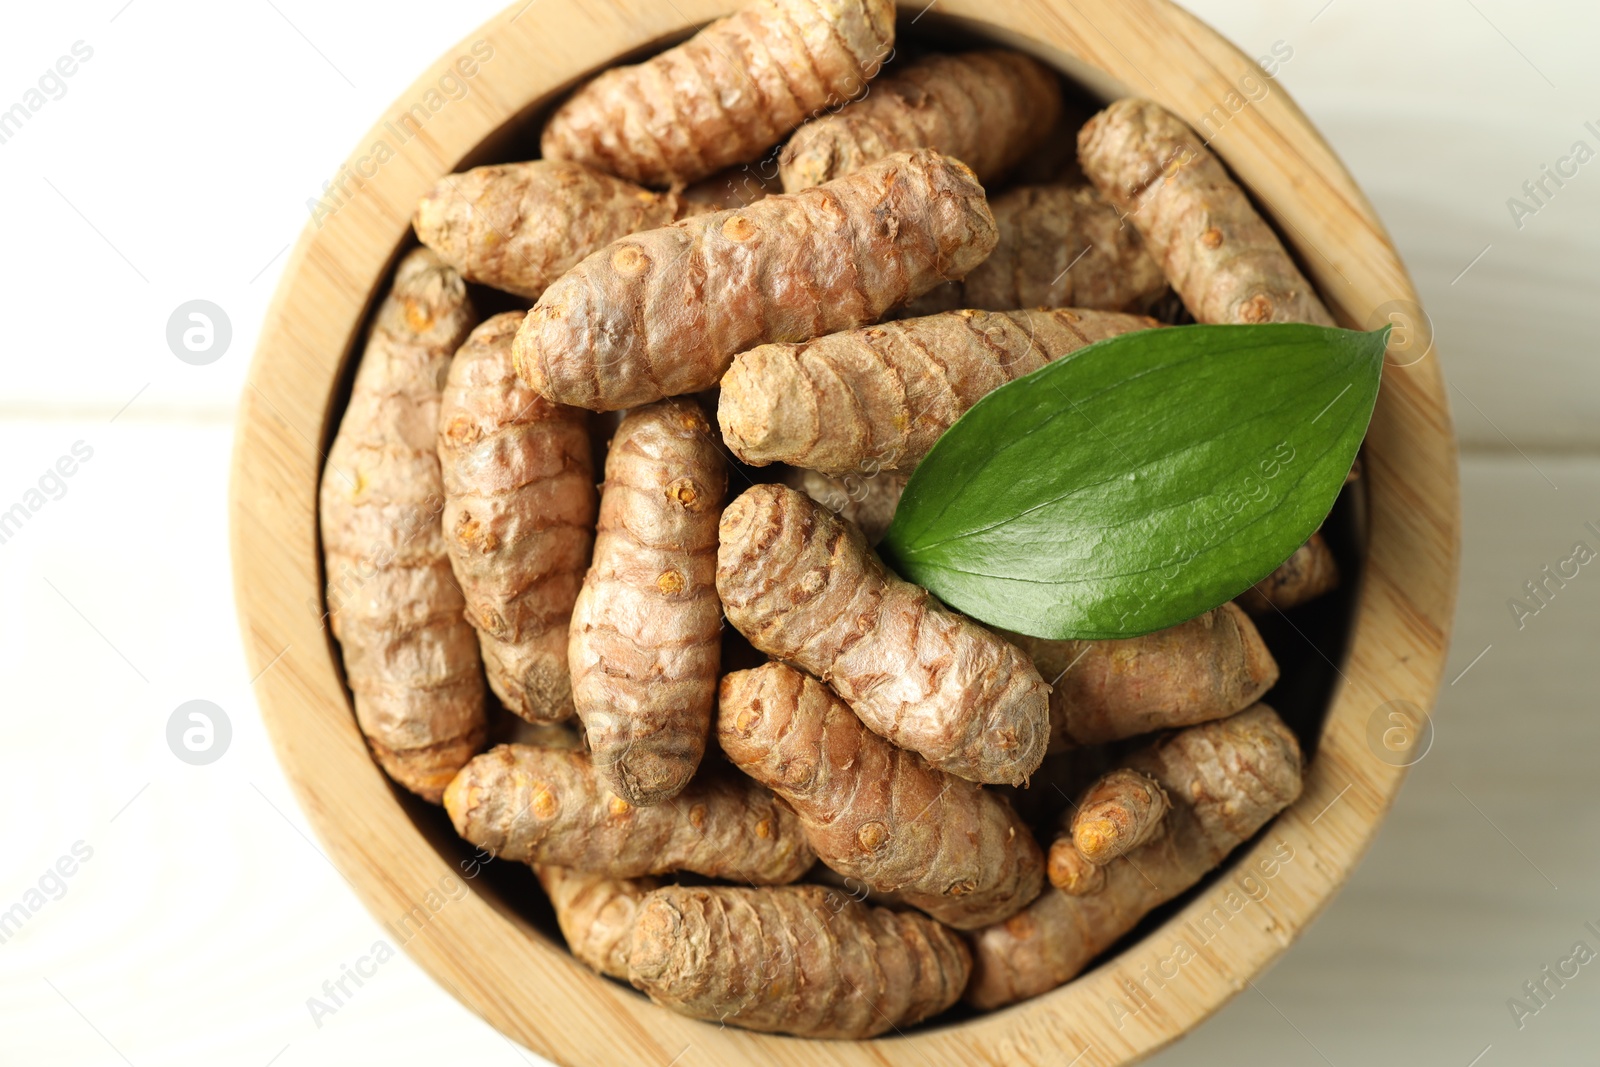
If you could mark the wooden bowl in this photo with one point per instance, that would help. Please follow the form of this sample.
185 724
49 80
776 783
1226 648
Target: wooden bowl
471 933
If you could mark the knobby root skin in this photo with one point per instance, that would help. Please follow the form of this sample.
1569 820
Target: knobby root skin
646 632
989 109
664 312
879 397
804 959
1206 668
1226 779
1306 575
1216 250
803 587
411 659
1059 246
596 914
866 497
1120 812
727 94
875 812
547 806
518 518
520 226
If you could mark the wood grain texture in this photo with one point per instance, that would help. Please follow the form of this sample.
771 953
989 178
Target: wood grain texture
529 987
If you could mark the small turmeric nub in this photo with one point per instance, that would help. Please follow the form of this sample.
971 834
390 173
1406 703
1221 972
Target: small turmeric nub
1120 812
1070 872
1225 780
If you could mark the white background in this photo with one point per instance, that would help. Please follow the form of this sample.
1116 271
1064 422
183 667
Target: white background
177 166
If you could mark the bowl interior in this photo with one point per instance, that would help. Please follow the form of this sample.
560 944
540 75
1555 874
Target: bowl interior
1308 643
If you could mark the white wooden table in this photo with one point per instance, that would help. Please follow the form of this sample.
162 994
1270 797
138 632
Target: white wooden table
199 916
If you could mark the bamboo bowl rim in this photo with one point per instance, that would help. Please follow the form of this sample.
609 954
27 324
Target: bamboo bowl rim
515 977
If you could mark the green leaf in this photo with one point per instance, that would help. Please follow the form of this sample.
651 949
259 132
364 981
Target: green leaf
1140 481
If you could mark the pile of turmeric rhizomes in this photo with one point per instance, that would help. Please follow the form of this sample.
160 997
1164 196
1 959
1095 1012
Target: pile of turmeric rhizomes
757 251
